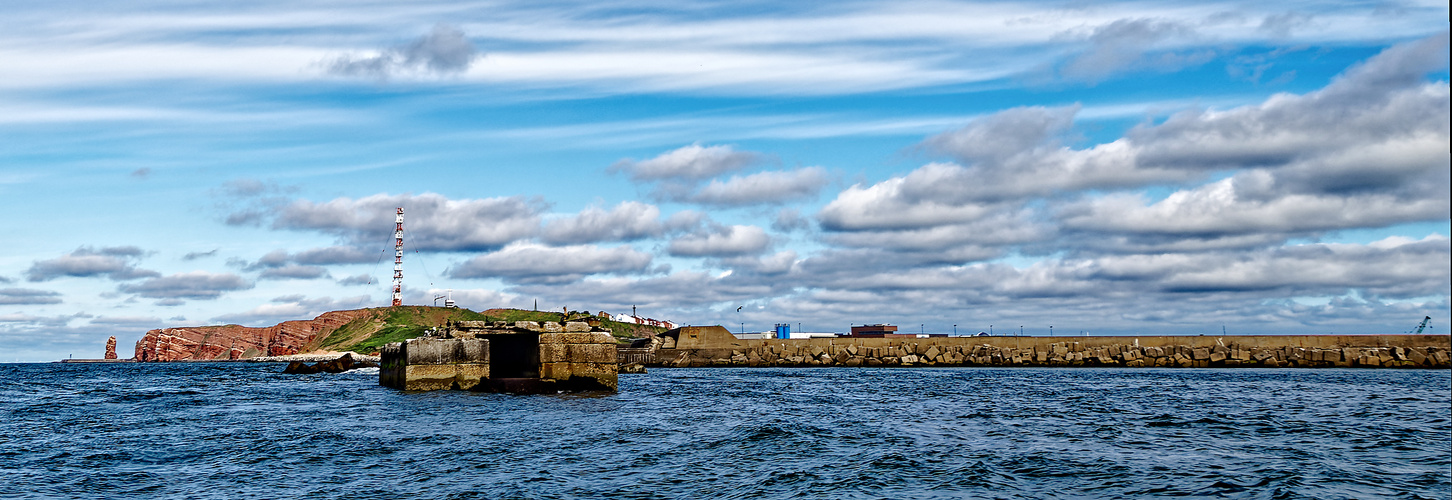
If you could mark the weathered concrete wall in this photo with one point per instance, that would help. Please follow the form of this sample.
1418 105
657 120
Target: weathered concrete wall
579 361
572 356
702 337
428 364
1406 351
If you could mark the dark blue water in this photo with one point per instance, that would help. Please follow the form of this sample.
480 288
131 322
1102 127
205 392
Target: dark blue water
241 430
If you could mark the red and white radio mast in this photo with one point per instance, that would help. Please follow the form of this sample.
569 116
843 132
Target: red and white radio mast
398 258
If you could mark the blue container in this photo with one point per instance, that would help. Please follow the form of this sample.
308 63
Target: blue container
783 330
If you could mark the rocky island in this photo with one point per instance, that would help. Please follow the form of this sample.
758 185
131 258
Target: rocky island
361 331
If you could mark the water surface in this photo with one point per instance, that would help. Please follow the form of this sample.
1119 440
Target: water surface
244 430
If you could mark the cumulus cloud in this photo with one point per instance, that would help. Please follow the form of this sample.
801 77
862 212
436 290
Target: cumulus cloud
771 265
197 285
1383 99
627 221
200 255
360 279
658 296
433 222
690 175
1006 134
1403 271
762 188
28 296
1369 150
1019 152
115 263
1129 44
334 255
891 204
721 241
445 50
790 219
307 264
294 272
979 239
532 263
694 162
1223 209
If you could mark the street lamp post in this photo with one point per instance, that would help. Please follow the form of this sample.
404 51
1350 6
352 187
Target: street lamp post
955 330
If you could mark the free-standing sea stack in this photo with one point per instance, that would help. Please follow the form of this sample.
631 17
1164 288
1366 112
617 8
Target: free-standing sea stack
525 357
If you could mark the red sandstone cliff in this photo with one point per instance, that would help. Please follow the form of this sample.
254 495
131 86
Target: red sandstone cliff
236 342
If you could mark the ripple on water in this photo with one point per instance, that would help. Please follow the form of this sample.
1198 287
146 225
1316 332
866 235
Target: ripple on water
246 431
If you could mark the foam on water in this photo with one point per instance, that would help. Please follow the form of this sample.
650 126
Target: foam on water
243 430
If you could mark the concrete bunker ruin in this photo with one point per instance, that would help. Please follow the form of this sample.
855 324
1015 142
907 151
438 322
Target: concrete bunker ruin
524 357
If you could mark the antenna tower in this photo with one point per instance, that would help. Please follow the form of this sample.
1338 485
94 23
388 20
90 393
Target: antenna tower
398 258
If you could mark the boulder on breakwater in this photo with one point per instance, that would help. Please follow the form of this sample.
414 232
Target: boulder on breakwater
339 365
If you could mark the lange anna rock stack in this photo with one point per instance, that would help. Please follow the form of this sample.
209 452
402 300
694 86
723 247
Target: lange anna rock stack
525 357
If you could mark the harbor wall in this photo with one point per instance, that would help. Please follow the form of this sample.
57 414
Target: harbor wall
714 346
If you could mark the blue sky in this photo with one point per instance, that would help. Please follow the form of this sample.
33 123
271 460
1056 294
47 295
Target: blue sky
1116 168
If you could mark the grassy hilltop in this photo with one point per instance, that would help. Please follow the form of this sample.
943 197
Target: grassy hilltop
396 324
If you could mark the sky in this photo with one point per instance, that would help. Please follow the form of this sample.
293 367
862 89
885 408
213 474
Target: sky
1099 168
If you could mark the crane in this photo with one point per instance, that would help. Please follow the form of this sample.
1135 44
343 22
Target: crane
1423 326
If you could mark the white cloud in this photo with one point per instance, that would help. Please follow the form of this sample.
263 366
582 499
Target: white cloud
692 163
432 222
763 188
1127 44
115 263
199 285
838 49
1221 208
889 205
28 296
627 221
525 262
445 50
722 241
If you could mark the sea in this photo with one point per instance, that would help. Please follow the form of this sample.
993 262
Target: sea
246 430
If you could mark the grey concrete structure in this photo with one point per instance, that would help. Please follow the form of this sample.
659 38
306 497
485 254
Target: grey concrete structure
520 357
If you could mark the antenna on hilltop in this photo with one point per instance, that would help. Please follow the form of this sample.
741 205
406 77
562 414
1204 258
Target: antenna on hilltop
448 299
398 258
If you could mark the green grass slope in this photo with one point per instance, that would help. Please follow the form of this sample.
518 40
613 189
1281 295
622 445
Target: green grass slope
396 324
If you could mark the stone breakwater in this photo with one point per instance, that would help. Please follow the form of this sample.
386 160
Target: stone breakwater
1062 354
704 347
